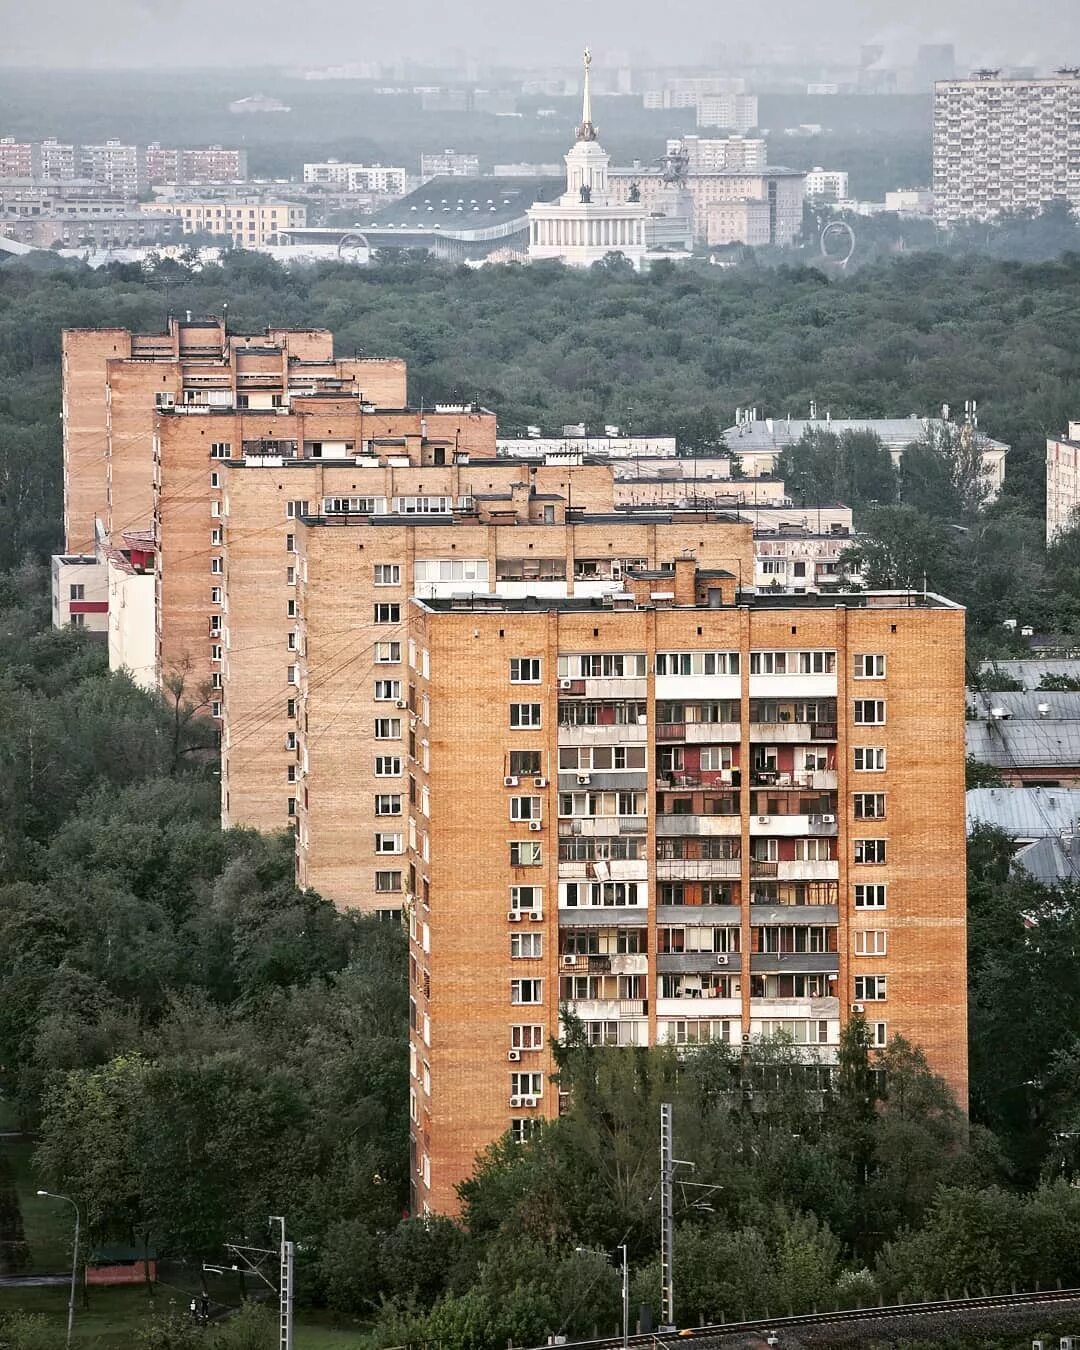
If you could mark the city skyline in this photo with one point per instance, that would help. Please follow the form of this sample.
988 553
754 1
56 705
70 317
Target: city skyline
136 33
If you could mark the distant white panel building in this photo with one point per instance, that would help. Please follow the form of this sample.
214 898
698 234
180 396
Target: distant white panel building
827 185
737 112
1063 482
449 164
382 178
710 154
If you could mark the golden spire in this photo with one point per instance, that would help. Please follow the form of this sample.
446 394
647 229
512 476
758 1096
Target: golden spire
586 132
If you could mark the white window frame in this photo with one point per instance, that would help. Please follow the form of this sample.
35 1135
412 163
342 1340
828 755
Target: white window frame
870 666
870 862
868 758
870 895
871 942
387 574
526 946
875 706
525 670
871 988
533 720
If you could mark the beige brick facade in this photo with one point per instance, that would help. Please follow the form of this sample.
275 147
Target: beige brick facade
460 871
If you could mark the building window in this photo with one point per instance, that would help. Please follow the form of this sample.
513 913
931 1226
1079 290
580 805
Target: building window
217 566
389 843
290 609
290 543
869 758
525 763
697 663
524 670
388 803
525 1128
215 708
870 895
215 595
292 806
528 898
387 574
387 691
387 766
78 621
527 1036
526 945
215 479
295 509
215 535
388 613
290 641
290 707
792 663
386 882
388 728
871 942
525 853
387 653
524 715
869 850
869 806
290 576
220 449
525 808
869 712
526 1084
290 773
77 592
879 1035
870 988
292 674
526 991
869 666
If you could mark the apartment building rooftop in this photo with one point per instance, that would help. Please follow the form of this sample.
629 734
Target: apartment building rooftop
745 599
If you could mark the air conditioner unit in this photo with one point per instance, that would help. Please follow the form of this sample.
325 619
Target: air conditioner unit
515 1101
746 1038
510 782
828 820
722 959
566 684
513 916
584 778
540 782
763 820
535 825
531 1101
536 915
858 1007
514 1056
401 703
569 961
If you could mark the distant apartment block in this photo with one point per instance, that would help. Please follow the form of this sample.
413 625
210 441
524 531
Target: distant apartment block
1063 482
16 158
58 162
247 223
214 164
376 178
449 164
910 201
736 112
1005 145
705 154
826 185
93 226
121 167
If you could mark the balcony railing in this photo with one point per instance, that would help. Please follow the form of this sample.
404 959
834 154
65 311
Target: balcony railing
671 731
763 869
697 869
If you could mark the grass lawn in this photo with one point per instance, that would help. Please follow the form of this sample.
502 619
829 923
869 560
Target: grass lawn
49 1224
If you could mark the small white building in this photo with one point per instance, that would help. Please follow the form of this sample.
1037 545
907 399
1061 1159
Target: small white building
826 185
80 597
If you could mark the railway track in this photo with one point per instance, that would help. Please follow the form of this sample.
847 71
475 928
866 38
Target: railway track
808 1321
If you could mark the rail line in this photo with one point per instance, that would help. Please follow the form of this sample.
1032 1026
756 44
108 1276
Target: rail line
806 1321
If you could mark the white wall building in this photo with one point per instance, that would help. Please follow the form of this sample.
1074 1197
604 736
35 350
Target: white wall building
449 164
710 154
80 597
382 178
826 184
737 112
1062 482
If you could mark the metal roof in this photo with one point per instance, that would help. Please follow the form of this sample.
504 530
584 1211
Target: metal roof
1030 705
1051 861
1030 673
1024 745
1024 813
774 433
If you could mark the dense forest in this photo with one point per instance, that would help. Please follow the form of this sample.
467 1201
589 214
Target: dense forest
171 998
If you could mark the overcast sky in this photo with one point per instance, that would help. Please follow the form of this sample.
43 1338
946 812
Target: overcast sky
101 33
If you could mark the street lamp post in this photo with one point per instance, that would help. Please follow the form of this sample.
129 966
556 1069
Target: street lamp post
74 1260
625 1297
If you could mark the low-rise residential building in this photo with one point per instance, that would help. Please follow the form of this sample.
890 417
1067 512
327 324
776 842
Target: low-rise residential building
383 179
130 577
248 223
94 228
1062 482
758 441
826 185
16 158
1032 738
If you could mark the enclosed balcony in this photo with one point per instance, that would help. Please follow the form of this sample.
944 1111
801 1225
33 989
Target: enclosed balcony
698 869
792 721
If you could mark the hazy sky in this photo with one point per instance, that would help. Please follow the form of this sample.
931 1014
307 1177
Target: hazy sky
97 33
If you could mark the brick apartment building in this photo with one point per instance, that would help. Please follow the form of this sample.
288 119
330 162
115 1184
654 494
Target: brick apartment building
691 815
589 760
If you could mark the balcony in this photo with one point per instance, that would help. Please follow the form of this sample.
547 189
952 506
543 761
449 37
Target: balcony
598 1009
604 780
619 733
617 869
602 825
699 1007
762 869
806 870
795 963
716 916
604 916
698 963
792 733
698 869
682 827
799 1009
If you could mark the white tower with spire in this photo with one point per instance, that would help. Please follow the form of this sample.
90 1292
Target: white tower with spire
584 225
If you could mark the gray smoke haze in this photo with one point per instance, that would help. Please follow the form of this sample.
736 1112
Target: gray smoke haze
119 33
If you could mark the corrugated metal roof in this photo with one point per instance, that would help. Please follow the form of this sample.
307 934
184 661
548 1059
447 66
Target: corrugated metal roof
1051 861
1032 705
1030 673
1025 813
1024 745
